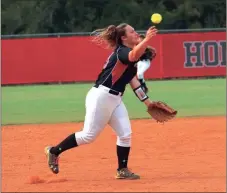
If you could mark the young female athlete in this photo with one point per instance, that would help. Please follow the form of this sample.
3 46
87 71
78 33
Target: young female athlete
104 103
144 64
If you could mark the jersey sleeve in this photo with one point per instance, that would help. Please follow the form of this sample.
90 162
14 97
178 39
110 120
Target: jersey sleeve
123 54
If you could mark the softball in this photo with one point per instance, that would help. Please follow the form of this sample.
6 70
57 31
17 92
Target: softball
156 18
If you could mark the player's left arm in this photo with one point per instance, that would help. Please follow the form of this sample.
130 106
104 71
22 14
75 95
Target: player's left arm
158 110
139 92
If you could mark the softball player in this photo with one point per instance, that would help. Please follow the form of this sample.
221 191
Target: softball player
144 64
104 103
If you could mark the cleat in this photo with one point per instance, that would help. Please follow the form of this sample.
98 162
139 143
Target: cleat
125 173
52 160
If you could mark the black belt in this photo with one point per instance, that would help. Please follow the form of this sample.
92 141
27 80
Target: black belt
111 91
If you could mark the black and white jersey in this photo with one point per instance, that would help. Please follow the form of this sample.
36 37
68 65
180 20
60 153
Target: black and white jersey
118 71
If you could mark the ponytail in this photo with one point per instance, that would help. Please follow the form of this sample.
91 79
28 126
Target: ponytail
110 35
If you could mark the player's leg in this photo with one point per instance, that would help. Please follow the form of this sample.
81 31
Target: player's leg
97 116
142 67
120 123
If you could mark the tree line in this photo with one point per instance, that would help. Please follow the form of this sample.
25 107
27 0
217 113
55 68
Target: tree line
59 16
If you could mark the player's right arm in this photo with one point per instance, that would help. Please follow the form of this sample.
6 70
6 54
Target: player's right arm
139 49
129 56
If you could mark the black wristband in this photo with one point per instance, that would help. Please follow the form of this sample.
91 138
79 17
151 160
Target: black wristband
139 92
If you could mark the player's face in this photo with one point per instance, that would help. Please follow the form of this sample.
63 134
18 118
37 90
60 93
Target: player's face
131 36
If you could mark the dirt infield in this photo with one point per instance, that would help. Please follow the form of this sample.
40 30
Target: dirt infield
184 155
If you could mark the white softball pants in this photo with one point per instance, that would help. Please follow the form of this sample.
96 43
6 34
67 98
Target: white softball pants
142 66
103 108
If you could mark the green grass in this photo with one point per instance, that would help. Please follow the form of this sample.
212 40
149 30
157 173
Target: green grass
65 103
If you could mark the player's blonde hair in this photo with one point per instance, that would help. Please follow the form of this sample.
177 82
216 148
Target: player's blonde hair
110 35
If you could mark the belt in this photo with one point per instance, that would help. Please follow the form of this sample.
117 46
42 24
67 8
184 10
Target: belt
111 91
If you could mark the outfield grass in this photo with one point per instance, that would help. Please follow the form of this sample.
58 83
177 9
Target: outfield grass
65 103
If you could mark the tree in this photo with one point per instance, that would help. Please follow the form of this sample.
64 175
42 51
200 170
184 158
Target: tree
55 16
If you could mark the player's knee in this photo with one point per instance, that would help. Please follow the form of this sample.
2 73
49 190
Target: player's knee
85 138
124 141
89 138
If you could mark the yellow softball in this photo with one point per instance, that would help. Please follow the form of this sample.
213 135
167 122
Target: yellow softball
156 18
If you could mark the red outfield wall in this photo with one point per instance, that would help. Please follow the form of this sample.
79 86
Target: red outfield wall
66 59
